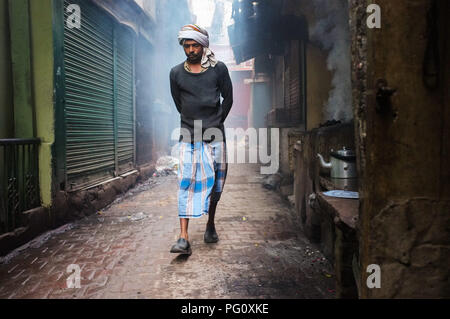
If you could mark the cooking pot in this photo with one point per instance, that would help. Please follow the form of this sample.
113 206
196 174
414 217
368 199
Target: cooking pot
342 165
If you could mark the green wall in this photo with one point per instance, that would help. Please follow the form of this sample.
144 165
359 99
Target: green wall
21 60
42 81
31 47
6 99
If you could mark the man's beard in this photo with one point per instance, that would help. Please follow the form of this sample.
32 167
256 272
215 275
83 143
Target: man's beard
194 58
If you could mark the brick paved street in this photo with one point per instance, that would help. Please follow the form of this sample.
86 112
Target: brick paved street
123 251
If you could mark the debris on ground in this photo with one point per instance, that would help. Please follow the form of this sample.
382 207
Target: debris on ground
272 182
166 165
291 200
137 217
134 218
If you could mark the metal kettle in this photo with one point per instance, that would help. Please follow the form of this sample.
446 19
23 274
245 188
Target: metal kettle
342 165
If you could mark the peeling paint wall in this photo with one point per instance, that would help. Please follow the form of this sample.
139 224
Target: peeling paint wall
403 153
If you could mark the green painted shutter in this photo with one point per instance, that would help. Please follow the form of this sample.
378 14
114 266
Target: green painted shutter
99 98
125 99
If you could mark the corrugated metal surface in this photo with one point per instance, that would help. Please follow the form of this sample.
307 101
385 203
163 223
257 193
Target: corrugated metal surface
125 101
294 89
287 91
294 76
293 84
98 110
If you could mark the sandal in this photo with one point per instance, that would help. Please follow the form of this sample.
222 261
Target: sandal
181 247
211 236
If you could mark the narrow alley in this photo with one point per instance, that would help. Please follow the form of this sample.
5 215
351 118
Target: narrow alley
123 250
332 116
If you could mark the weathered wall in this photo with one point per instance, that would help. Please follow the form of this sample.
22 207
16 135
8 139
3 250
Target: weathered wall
26 85
285 168
318 81
32 52
42 82
21 68
308 170
318 85
6 100
403 154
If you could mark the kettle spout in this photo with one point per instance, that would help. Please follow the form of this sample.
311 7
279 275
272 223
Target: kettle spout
323 163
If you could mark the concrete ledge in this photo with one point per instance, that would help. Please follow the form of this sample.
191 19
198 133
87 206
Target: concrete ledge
146 171
342 210
339 243
307 177
37 221
70 206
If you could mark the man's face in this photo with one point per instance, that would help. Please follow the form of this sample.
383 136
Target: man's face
193 50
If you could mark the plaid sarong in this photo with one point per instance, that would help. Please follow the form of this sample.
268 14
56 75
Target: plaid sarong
201 175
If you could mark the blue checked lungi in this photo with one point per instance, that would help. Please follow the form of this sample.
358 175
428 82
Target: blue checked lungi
202 173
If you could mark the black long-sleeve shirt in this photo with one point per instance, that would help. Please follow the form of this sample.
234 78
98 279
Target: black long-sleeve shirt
197 97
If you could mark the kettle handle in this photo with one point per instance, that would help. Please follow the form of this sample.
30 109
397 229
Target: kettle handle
323 163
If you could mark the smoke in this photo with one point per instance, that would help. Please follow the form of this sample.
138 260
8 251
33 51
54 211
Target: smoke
217 26
332 33
157 115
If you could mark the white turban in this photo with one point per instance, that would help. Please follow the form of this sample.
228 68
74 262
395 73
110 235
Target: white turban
196 33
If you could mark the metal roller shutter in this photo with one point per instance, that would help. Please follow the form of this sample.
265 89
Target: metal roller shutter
294 77
294 86
99 91
125 99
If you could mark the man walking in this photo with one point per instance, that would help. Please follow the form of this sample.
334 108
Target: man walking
196 86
